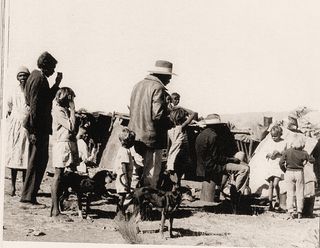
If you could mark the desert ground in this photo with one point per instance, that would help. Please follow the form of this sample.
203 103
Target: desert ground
197 223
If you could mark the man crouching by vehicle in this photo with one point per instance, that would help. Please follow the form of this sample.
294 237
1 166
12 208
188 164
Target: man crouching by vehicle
124 164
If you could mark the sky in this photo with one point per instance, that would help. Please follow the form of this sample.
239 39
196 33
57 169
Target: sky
230 56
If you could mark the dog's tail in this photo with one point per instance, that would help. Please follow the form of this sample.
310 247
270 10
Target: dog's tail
130 197
126 186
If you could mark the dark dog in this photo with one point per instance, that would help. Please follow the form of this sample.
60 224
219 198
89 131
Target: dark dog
85 188
167 202
168 181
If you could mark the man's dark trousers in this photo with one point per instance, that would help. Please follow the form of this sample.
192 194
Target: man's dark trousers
37 164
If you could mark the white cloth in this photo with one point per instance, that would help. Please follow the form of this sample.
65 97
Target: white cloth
17 144
123 156
83 150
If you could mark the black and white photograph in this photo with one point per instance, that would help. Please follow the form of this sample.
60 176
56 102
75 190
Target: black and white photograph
144 122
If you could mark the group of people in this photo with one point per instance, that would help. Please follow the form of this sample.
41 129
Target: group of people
157 122
29 126
155 119
285 159
35 111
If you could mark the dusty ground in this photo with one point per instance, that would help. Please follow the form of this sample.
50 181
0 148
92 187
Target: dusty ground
194 225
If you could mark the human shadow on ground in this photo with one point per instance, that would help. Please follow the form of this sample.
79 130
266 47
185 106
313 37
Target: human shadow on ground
182 232
100 202
44 194
245 205
101 214
178 214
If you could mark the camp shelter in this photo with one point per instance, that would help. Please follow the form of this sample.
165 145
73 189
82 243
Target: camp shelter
97 128
110 151
100 131
259 167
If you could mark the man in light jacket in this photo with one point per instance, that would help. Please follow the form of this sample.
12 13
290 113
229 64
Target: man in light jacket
149 120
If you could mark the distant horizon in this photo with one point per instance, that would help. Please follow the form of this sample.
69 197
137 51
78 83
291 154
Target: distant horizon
221 114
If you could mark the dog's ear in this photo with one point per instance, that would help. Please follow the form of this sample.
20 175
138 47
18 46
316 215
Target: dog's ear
112 175
166 172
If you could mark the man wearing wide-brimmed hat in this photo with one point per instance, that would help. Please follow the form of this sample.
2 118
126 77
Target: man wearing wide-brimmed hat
149 119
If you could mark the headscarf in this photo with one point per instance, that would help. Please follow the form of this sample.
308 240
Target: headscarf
23 69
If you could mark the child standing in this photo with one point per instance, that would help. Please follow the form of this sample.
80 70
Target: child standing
292 163
124 164
275 174
64 150
178 152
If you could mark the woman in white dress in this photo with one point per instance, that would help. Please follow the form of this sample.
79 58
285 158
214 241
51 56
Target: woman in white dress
17 140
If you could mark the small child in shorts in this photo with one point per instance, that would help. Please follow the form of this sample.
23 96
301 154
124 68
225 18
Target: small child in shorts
64 151
124 164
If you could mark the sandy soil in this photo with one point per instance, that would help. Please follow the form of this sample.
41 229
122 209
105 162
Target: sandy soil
195 225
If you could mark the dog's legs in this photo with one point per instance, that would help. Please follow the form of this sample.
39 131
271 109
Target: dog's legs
137 216
170 225
87 205
60 203
61 207
64 196
79 198
163 219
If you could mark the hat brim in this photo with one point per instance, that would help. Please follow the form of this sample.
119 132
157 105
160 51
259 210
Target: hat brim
210 122
164 73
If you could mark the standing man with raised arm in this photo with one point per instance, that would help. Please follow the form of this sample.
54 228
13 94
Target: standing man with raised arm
39 98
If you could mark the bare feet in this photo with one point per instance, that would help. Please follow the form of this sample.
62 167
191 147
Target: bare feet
31 205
